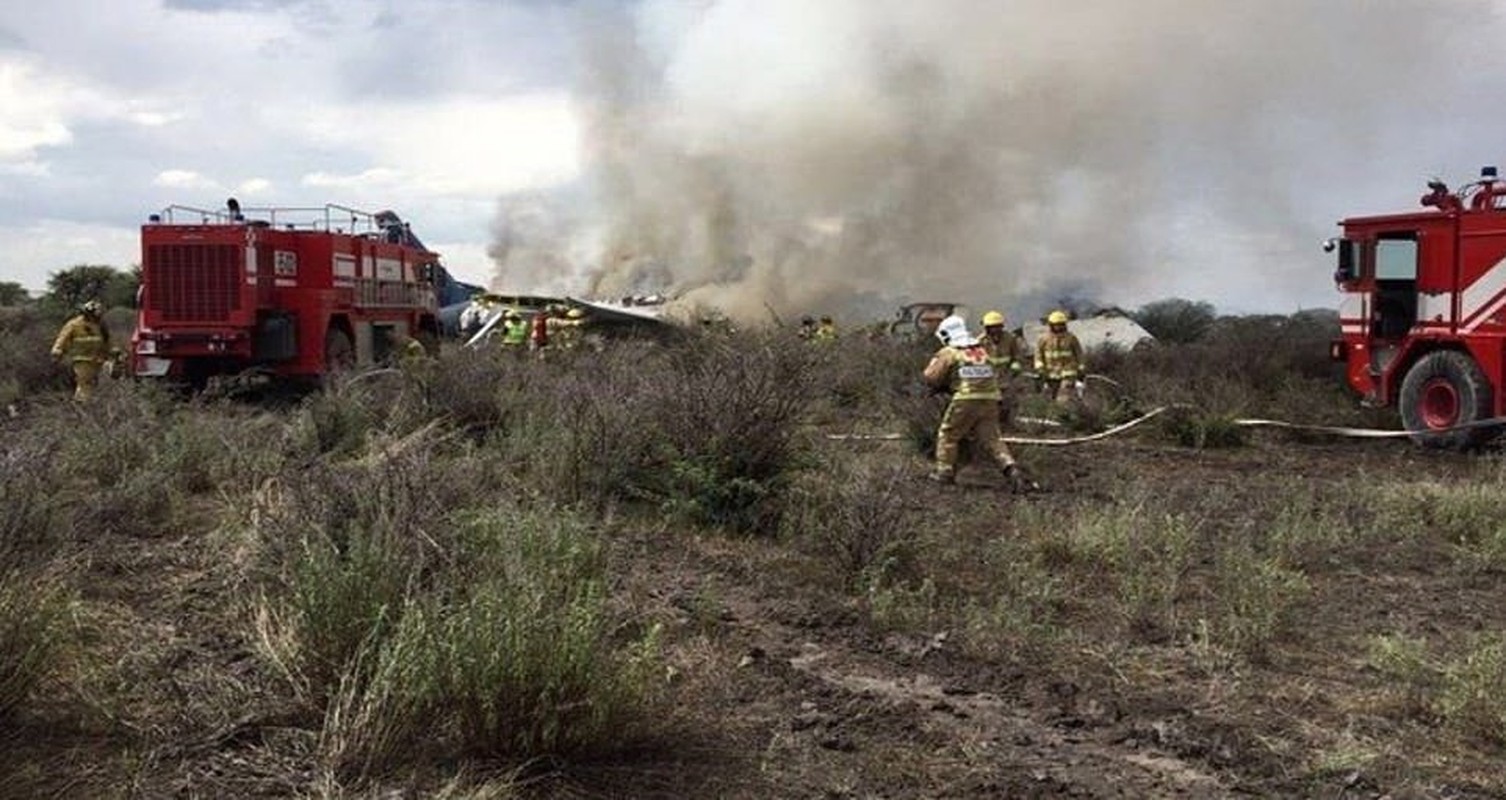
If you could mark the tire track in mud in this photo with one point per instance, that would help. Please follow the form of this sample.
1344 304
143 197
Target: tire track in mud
1008 748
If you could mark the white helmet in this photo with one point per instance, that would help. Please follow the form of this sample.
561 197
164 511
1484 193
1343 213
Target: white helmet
953 332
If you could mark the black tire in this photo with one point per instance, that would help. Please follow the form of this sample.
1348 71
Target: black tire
339 353
1446 388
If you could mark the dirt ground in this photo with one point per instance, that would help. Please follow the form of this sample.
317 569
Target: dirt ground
788 692
816 704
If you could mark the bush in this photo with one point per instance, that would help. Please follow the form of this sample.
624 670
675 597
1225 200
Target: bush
1202 430
27 369
508 652
1473 695
415 603
32 618
1253 596
850 514
1175 320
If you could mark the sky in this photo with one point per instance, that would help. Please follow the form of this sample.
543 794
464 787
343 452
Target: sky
795 155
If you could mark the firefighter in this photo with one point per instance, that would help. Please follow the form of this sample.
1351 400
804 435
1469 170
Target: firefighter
826 331
807 330
571 329
538 331
1005 352
1059 364
514 330
85 342
409 351
963 366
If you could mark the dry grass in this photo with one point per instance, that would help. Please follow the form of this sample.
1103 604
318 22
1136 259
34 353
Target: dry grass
418 581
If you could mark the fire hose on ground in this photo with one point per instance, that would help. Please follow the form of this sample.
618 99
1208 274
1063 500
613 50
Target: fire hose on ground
1330 430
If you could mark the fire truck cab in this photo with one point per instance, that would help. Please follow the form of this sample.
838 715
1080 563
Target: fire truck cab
1423 311
292 293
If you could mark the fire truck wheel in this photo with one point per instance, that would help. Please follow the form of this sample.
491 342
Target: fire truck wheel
339 353
1442 390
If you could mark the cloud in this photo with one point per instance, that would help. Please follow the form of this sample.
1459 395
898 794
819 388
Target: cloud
35 110
183 179
50 245
366 180
471 146
254 186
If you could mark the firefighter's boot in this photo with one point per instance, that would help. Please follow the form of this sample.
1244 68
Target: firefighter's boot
1018 483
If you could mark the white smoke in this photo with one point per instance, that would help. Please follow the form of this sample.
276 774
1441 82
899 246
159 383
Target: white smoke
819 155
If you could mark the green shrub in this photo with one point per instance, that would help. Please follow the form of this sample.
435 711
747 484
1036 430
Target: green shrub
342 549
513 655
1473 695
1201 430
1410 674
1253 596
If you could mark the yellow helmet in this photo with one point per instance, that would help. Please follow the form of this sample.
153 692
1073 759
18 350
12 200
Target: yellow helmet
575 313
993 318
1057 318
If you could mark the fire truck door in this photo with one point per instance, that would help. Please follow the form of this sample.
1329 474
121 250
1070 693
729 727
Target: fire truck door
1394 310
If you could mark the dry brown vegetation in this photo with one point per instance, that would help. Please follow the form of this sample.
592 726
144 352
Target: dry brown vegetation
650 572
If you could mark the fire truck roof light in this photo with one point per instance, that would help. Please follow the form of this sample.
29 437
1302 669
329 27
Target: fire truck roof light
1488 173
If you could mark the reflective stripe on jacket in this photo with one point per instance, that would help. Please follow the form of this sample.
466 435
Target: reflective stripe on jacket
82 339
1057 354
514 332
967 372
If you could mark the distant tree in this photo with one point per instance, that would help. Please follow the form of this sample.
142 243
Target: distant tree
13 294
1176 320
69 288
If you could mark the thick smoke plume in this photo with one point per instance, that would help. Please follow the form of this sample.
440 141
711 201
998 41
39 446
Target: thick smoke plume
845 154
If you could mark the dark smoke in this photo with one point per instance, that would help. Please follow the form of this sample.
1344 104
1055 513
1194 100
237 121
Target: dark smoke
754 154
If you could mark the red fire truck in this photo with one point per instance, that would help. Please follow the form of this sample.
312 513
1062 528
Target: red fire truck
1423 312
293 293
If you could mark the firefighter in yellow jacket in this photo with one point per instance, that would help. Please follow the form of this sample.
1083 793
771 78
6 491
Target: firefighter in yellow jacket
84 342
1007 353
963 366
1059 360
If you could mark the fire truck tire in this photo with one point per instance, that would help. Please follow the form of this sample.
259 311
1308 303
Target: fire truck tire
1444 389
339 353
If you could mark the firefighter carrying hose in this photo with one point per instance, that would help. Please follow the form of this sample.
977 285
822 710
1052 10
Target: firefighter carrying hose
1059 362
85 342
963 366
